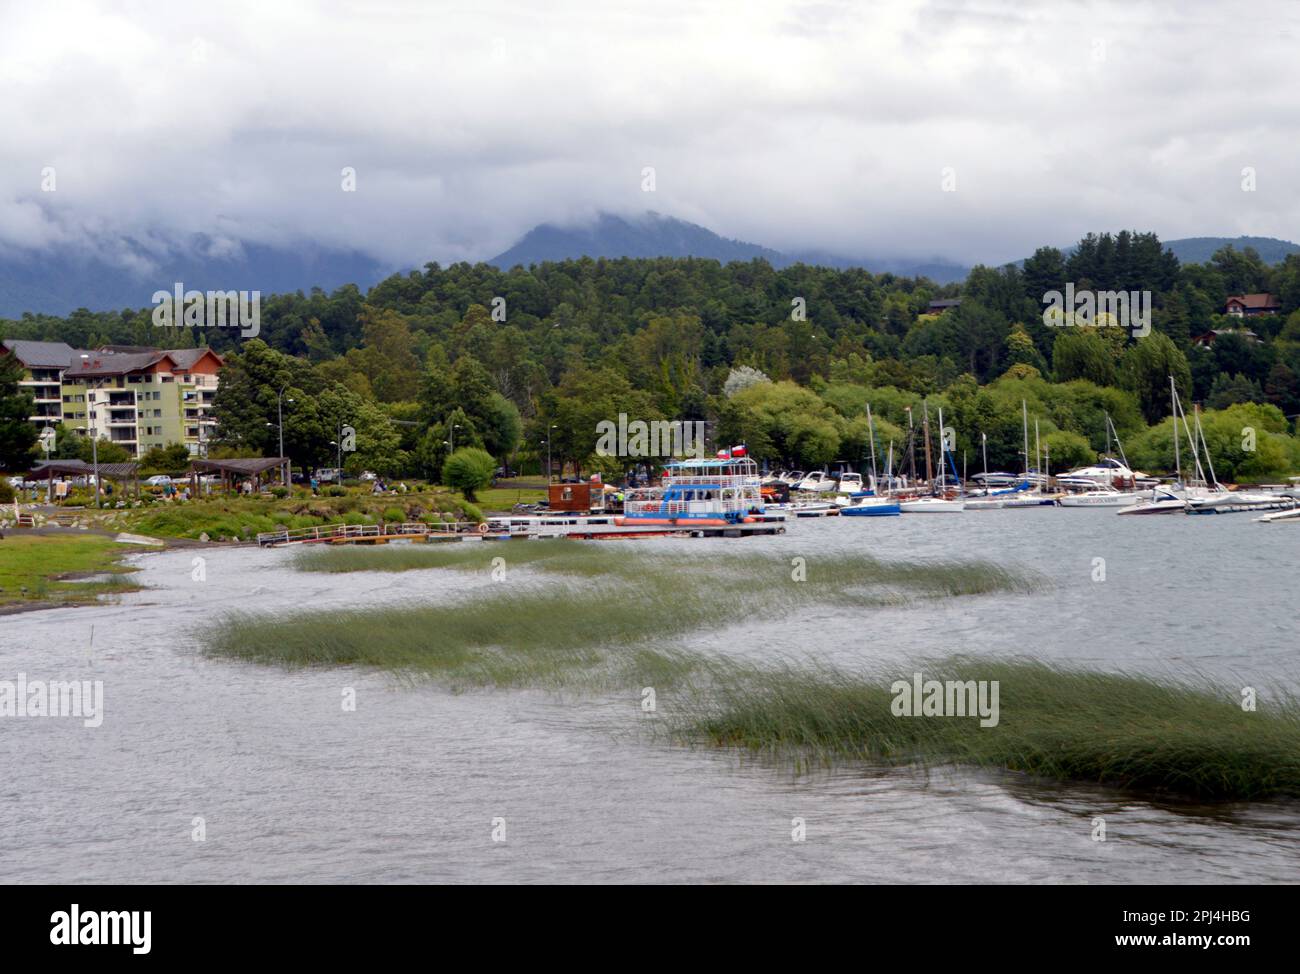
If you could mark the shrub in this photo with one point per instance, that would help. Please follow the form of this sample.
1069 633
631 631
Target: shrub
469 470
471 512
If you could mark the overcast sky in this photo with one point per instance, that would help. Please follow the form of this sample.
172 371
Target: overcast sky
791 124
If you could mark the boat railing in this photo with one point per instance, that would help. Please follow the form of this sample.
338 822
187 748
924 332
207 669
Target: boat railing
716 480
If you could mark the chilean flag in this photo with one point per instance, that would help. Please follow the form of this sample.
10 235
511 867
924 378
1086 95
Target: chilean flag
738 451
724 454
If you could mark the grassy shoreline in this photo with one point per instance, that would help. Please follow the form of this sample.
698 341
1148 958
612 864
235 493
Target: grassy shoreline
232 517
39 570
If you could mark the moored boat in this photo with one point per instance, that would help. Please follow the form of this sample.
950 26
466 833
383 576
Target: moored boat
871 507
1102 497
932 505
698 493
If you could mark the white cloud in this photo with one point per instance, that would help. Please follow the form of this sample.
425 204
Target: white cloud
796 125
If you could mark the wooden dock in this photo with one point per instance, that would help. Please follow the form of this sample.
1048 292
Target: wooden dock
372 534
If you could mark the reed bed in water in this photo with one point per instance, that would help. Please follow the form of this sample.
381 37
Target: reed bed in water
613 558
607 631
618 630
559 556
1191 739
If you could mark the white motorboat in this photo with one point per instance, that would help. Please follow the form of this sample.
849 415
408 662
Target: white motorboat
817 482
1104 497
1235 501
1106 472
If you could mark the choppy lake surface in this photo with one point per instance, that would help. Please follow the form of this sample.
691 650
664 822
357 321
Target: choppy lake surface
292 788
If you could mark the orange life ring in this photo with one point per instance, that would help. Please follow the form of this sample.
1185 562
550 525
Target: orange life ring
482 528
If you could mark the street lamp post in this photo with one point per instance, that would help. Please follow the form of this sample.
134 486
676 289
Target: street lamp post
451 443
548 453
94 438
279 415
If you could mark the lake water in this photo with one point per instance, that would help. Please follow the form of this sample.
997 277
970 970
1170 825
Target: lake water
291 788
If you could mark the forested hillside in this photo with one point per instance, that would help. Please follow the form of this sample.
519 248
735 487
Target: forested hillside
785 360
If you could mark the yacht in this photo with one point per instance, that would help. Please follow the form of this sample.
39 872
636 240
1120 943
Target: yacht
850 483
819 482
1106 472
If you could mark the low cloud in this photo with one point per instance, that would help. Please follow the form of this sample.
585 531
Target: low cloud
794 125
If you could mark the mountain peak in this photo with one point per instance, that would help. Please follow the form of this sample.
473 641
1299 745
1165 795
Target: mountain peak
652 234
612 235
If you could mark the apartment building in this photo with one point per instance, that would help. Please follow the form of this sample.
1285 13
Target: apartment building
138 397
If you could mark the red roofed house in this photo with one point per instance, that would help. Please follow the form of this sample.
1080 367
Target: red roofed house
1249 305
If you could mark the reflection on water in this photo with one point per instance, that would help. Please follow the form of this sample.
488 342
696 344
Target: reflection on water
292 788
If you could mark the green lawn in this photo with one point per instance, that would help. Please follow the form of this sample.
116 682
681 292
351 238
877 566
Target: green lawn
502 499
34 561
230 516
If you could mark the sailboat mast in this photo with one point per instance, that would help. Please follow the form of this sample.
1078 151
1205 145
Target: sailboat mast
943 455
1110 429
1173 405
1200 431
1038 454
925 432
1191 440
911 446
871 432
1024 422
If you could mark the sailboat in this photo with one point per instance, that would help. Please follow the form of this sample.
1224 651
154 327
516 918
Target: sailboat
1224 501
1029 491
937 503
869 503
1174 498
988 500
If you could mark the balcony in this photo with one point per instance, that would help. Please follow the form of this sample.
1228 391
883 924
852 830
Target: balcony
42 392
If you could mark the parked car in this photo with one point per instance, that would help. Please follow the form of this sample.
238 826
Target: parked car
158 480
329 475
366 475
